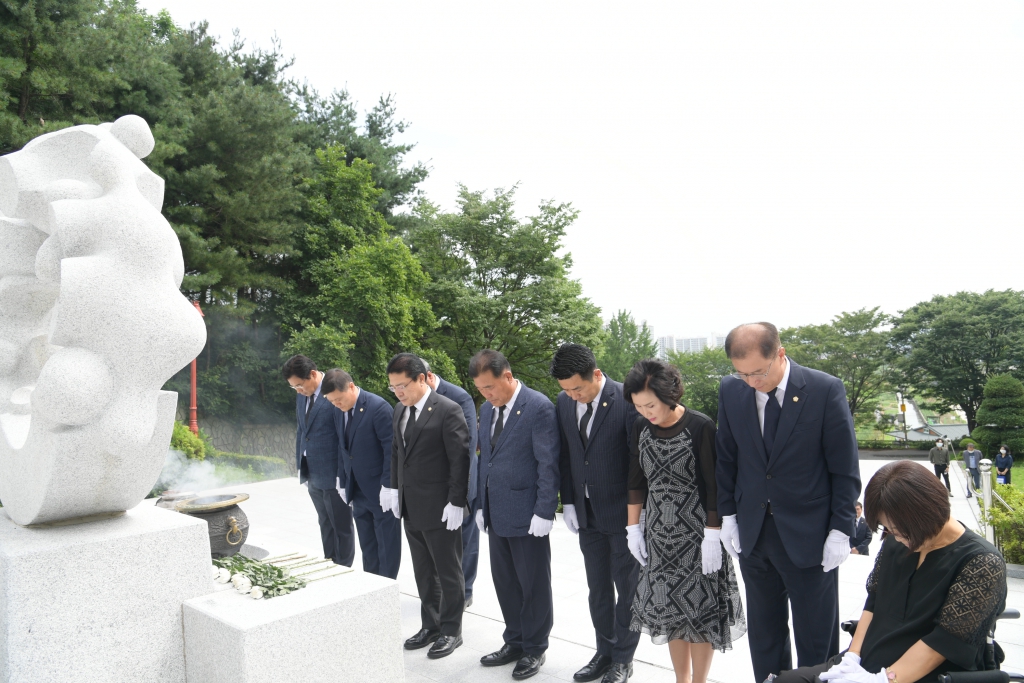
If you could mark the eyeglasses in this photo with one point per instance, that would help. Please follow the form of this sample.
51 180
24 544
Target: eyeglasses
754 375
400 387
296 387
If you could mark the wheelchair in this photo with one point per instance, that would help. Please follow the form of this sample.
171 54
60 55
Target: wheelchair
993 658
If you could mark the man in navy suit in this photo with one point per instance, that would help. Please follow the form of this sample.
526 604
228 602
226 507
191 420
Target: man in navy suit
788 478
318 459
518 492
363 422
594 422
470 532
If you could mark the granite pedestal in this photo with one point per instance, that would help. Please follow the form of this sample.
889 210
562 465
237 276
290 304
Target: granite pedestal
99 601
344 628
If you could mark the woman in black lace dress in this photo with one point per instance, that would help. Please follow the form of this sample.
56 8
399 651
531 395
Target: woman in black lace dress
933 596
687 594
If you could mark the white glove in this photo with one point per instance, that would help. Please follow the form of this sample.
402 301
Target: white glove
540 527
569 517
635 541
452 515
480 521
854 674
711 551
396 504
341 491
850 662
385 498
837 549
731 536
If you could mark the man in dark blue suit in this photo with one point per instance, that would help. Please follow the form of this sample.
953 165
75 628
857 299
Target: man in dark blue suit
470 532
518 491
363 422
594 422
788 477
318 459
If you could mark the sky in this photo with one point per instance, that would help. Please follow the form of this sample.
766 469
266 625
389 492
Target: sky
731 162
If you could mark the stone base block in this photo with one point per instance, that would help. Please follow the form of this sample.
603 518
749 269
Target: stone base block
99 601
344 628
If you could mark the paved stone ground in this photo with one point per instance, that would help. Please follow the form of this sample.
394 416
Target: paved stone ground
283 519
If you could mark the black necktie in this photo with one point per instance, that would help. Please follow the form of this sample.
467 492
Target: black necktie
584 422
772 411
309 405
409 424
498 426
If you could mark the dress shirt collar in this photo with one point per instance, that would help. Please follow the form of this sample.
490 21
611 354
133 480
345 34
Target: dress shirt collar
581 408
780 393
508 406
422 402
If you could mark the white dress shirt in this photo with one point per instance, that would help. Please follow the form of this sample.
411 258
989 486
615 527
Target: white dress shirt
780 395
508 408
419 411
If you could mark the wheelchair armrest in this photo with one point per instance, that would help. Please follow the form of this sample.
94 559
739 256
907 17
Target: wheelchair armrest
850 626
1009 614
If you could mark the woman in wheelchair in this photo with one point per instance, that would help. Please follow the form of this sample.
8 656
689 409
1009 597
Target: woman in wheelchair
933 595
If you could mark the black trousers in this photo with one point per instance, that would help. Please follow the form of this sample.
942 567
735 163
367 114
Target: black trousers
807 674
610 568
380 534
521 571
942 472
470 547
335 519
773 585
437 565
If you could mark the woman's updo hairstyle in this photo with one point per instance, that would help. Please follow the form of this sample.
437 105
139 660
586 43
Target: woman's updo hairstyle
657 376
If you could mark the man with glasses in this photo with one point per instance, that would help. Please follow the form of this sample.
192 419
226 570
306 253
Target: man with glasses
788 477
429 483
318 459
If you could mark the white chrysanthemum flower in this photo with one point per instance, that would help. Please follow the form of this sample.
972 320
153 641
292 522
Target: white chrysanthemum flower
256 592
223 576
215 572
243 584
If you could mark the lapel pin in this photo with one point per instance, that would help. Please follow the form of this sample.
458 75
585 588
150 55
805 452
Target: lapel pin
795 399
605 404
429 408
517 412
360 410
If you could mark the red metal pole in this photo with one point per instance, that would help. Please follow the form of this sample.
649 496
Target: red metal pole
193 422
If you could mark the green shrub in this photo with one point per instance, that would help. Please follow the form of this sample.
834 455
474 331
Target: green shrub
182 439
1009 526
266 465
1001 415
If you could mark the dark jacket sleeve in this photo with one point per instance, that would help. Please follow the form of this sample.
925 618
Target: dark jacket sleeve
382 417
394 450
545 452
727 453
339 430
456 446
564 462
707 460
839 443
637 479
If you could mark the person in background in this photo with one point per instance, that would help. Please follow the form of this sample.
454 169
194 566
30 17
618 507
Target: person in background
518 492
1004 463
318 459
862 534
363 422
470 532
429 480
972 458
687 595
939 458
594 422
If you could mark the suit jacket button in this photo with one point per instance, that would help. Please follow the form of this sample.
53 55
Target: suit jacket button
586 462
769 476
762 504
490 464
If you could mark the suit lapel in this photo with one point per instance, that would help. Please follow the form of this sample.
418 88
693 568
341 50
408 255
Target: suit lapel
604 406
358 410
791 406
421 421
569 418
753 422
521 404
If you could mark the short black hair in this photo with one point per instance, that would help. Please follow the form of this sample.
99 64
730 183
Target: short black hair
298 366
661 378
335 380
408 364
913 500
573 359
768 341
488 359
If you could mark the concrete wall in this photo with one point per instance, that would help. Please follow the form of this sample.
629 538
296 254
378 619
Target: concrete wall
276 439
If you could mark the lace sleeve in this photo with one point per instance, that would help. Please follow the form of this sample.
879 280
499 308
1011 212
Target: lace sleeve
708 459
637 479
872 582
975 598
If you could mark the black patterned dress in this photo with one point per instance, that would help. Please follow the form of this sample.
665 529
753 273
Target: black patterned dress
672 472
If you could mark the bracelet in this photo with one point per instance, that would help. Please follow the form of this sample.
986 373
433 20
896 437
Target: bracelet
891 675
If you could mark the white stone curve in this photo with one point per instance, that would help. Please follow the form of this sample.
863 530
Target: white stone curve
92 323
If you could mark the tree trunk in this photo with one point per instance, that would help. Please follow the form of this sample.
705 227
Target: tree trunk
26 79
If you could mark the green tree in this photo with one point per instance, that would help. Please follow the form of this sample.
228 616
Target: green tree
948 347
1001 415
499 282
702 374
625 342
853 347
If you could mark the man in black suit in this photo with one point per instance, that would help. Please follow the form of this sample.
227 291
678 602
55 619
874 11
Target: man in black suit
861 538
788 477
470 532
318 459
429 481
595 422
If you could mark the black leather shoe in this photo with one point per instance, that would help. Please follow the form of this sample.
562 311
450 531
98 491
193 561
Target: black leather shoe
444 646
594 669
618 673
422 638
506 655
528 665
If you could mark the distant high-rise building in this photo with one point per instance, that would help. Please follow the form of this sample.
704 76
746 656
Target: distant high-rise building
691 344
666 344
716 341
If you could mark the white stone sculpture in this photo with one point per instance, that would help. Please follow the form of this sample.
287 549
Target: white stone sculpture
92 323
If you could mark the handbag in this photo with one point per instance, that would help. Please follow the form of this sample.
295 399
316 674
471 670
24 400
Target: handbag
1000 479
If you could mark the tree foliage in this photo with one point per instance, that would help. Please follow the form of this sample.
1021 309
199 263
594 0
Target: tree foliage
624 343
853 347
1001 415
702 374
